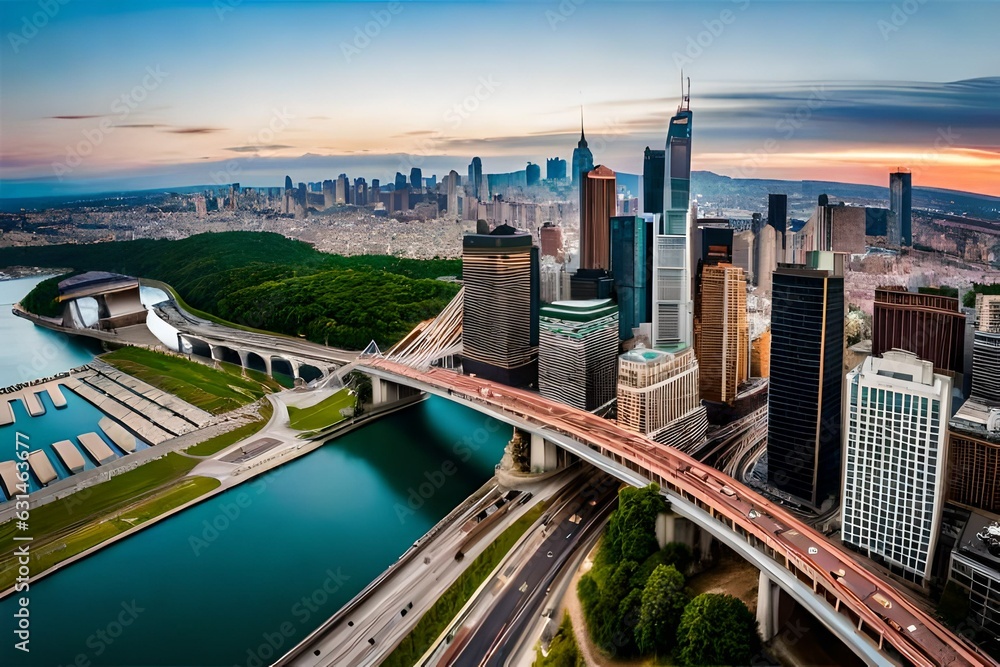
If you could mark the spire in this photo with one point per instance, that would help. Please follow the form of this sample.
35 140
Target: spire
583 139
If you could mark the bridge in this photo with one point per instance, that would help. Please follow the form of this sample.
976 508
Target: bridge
880 624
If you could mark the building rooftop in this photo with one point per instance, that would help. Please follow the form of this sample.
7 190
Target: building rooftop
95 282
980 540
978 419
583 310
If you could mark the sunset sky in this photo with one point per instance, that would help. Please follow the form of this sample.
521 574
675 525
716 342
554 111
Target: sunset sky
154 94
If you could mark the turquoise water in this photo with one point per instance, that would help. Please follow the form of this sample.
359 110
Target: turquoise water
218 583
28 352
56 424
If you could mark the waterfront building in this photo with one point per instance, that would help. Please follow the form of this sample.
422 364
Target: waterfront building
577 352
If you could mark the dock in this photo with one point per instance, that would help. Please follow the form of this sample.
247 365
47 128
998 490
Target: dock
41 466
69 455
96 447
55 393
122 438
9 478
31 402
6 413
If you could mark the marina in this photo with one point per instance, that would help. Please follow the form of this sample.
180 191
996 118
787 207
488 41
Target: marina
124 440
99 450
69 455
42 467
9 478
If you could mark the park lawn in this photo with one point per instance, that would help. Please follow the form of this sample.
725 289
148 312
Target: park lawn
78 536
218 443
433 623
215 391
323 414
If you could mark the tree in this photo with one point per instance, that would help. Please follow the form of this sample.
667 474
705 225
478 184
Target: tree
631 532
663 602
717 630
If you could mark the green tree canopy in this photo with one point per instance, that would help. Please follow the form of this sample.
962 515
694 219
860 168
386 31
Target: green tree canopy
663 601
717 630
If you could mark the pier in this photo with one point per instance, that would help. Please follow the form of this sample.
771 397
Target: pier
96 447
122 438
9 478
69 455
41 466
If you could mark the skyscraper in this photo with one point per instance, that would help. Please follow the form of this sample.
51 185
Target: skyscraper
986 350
343 185
476 176
672 306
533 174
804 400
500 313
583 159
555 169
400 182
653 163
629 239
929 325
416 179
551 240
895 428
328 194
597 207
777 212
288 183
723 348
900 198
453 211
578 352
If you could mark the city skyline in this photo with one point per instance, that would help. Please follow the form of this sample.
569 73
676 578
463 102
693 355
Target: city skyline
208 98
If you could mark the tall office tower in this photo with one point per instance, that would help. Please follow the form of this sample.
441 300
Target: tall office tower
807 357
653 163
658 396
500 313
476 177
375 194
200 207
342 187
551 240
900 198
400 182
768 244
974 456
928 325
328 194
550 277
629 239
743 253
452 179
986 350
288 183
416 179
672 304
597 207
555 169
837 228
583 159
894 437
777 213
578 352
360 192
723 347
533 174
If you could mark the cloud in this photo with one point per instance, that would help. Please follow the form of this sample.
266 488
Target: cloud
254 149
194 130
139 125
78 117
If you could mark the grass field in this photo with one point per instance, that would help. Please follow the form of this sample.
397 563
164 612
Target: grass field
69 526
220 442
212 390
323 414
437 618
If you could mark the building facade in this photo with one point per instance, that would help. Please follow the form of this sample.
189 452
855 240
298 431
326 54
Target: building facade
578 352
929 325
723 340
900 203
895 429
630 236
986 350
597 207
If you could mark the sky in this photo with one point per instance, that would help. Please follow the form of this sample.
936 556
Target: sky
96 96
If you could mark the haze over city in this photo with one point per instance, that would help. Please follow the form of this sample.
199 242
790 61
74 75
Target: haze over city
104 95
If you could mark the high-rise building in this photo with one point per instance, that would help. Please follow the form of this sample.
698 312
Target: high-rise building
532 174
777 213
328 194
723 340
400 182
343 185
597 207
974 456
986 350
658 396
929 325
551 240
360 192
500 313
767 246
630 236
453 211
476 178
555 169
416 179
288 183
578 352
653 164
672 303
583 159
975 567
900 199
804 400
894 438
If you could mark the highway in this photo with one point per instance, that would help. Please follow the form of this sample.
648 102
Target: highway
873 605
494 638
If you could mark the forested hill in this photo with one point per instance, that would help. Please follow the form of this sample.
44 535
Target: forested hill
264 280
